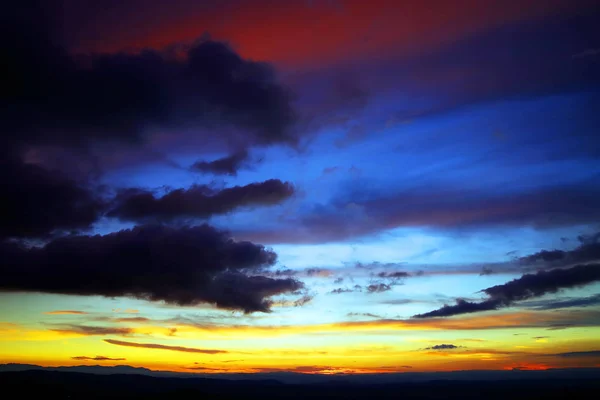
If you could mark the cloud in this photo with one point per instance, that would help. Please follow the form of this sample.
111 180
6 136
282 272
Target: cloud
575 354
92 330
588 301
119 96
198 202
164 347
526 287
443 347
359 212
184 266
355 288
587 251
378 288
97 358
370 315
318 272
229 165
133 319
65 312
115 102
393 275
38 202
307 298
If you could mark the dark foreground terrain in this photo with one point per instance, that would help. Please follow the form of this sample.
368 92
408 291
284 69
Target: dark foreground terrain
40 384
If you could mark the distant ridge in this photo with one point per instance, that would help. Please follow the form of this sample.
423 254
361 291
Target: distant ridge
51 384
294 377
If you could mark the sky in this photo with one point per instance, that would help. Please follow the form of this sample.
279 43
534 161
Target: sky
307 186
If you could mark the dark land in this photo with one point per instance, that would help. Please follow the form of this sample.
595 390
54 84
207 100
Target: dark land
126 382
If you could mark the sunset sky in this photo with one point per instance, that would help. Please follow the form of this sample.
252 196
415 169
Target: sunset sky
310 186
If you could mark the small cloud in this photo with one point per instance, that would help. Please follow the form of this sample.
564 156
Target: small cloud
229 165
355 288
303 300
397 274
65 312
443 347
320 272
97 358
397 302
126 311
133 319
378 288
370 315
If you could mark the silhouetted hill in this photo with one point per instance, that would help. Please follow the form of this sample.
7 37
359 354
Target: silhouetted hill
77 385
293 377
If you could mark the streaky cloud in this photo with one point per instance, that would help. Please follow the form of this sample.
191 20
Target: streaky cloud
164 347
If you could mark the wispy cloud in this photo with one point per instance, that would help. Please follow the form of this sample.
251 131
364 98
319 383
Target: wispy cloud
164 347
92 330
66 312
575 354
132 319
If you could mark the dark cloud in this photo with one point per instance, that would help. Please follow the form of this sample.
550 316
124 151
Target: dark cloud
229 165
164 347
587 251
378 288
461 307
97 358
92 330
526 287
394 275
567 303
38 202
443 347
184 266
575 354
198 201
120 96
355 288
